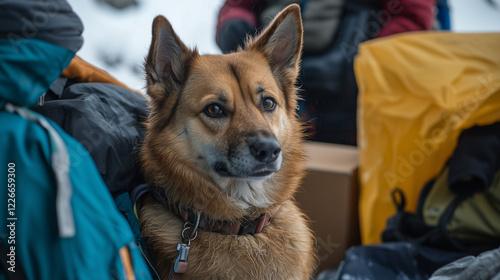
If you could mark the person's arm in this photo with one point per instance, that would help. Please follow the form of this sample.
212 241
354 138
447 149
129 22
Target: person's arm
236 19
407 15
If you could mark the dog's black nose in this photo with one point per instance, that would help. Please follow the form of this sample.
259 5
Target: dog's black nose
265 149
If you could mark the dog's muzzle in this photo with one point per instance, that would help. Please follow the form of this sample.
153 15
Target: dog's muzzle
260 157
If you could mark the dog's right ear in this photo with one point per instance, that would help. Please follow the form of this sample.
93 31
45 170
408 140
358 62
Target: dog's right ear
167 60
281 44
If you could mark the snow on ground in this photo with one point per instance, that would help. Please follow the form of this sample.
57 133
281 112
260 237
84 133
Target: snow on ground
118 40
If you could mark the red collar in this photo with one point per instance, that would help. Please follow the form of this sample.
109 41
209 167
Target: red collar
243 226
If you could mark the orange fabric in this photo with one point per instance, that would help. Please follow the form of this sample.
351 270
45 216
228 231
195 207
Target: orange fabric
85 72
127 263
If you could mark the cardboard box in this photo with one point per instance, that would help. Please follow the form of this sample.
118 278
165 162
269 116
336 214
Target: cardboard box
329 196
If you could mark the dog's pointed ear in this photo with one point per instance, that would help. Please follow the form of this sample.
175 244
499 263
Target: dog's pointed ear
167 59
281 43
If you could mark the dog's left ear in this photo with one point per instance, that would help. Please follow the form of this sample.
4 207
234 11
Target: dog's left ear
281 43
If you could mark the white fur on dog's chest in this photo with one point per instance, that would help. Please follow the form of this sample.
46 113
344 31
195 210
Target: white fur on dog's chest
247 192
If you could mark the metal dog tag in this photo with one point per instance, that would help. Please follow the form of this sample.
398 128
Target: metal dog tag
181 262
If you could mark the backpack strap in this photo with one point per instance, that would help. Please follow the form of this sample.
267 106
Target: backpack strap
398 197
423 196
60 162
136 195
405 226
454 242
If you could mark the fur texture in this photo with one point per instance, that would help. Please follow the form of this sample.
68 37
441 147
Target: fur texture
223 138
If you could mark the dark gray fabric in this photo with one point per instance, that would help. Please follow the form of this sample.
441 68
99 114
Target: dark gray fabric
395 260
328 80
52 21
484 267
58 86
107 120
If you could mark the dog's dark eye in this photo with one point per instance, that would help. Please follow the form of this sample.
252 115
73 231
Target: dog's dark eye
268 104
214 110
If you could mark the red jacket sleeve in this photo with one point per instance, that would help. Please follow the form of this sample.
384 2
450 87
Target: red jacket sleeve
239 10
407 15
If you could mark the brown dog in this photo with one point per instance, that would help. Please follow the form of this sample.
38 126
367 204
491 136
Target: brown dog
223 152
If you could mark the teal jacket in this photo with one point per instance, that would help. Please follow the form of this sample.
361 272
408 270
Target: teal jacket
59 220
